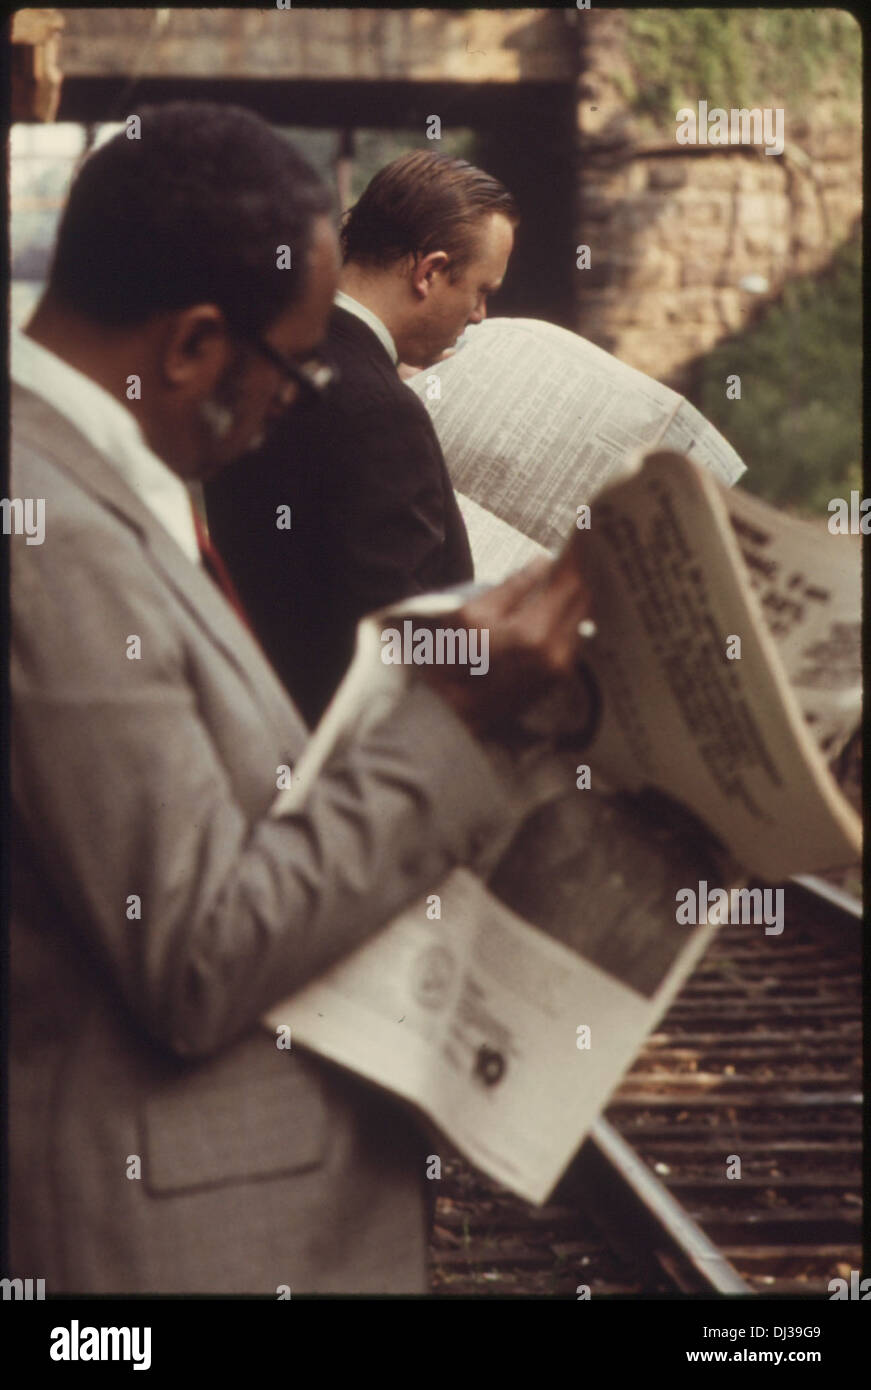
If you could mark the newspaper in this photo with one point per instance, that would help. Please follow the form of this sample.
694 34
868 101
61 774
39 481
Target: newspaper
522 407
509 1017
696 698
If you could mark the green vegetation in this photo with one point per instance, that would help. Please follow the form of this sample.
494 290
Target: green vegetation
738 58
798 423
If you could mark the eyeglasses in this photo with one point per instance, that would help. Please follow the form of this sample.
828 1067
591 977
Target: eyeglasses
312 376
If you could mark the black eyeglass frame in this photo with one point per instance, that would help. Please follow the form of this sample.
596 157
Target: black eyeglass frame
313 377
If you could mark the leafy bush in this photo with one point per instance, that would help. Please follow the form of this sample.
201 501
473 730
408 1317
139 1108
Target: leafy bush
734 57
798 423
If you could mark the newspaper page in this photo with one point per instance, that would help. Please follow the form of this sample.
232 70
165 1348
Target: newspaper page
534 420
502 1036
808 584
694 699
497 548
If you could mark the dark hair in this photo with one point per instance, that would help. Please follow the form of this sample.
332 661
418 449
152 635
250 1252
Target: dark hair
191 212
423 202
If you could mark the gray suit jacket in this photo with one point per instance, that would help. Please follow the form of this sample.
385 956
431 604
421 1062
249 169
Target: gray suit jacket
138 1038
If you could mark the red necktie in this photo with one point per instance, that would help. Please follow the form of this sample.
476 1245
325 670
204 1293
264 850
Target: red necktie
217 570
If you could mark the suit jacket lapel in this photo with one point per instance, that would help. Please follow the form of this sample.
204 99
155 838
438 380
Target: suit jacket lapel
48 432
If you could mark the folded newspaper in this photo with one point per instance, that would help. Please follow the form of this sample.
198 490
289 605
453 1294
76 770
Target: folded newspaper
507 1005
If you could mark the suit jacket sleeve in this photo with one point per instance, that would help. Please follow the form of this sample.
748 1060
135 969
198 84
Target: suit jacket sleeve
118 779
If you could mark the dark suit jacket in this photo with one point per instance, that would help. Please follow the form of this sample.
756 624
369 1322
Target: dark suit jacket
159 1141
374 517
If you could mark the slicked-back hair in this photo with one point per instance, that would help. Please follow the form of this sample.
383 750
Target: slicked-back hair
423 202
192 212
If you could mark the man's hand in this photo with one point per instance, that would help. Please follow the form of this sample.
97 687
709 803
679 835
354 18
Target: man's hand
532 620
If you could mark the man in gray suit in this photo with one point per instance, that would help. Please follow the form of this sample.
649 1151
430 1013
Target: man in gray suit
160 1141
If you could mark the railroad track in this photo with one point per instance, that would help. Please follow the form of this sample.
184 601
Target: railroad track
758 1060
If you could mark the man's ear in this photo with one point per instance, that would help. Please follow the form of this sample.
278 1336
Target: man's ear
195 348
426 270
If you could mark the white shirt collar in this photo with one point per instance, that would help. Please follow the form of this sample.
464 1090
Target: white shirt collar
381 331
112 430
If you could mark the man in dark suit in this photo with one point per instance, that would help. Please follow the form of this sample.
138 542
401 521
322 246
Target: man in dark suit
159 1140
373 517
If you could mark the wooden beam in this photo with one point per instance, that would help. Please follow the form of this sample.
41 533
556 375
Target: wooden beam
393 45
35 64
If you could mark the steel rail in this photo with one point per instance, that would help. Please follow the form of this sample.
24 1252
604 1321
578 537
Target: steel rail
832 896
676 1225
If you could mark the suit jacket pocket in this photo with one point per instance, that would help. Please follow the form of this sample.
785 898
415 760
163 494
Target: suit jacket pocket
201 1134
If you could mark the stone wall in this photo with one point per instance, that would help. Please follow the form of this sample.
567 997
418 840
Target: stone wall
683 238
